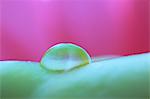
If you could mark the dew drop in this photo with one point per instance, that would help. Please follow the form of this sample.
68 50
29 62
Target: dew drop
64 56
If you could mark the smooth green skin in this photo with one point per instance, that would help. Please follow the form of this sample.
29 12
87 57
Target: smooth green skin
119 78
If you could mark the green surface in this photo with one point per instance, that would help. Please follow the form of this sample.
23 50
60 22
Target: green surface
119 78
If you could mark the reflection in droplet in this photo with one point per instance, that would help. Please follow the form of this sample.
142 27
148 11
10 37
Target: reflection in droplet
65 56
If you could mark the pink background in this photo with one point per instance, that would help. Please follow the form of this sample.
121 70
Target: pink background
102 27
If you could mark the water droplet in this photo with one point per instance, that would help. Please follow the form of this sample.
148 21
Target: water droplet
64 56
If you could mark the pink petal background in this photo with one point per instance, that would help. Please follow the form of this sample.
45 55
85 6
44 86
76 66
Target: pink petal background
102 27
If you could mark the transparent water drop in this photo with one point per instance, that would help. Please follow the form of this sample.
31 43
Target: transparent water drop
64 56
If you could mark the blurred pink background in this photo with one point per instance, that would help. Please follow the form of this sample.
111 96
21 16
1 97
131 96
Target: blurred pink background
102 27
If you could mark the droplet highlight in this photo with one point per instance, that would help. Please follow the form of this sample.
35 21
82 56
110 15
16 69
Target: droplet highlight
64 56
